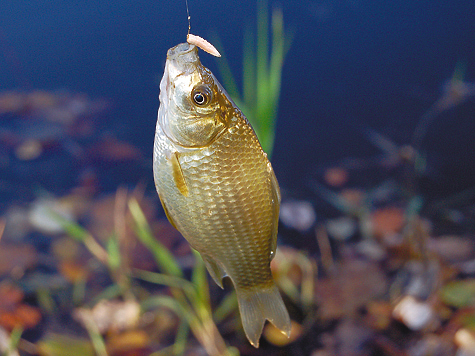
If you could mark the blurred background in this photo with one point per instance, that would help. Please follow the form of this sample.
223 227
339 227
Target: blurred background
377 100
352 64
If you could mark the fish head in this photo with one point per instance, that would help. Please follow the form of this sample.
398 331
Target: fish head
193 105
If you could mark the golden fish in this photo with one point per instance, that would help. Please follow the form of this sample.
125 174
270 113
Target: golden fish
217 186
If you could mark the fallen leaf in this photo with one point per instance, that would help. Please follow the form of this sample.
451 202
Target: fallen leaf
11 102
10 295
452 248
387 220
110 149
73 271
13 312
46 213
16 258
415 314
352 285
336 176
127 341
378 314
40 100
111 315
277 338
353 196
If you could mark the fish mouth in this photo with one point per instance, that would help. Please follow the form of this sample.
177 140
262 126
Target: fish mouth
181 64
178 50
182 59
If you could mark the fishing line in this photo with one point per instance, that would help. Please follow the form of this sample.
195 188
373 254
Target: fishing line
189 17
197 40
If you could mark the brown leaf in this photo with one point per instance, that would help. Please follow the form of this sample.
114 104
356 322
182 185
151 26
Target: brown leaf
12 312
28 316
353 284
111 315
336 176
16 258
10 295
128 342
73 271
387 220
379 315
110 149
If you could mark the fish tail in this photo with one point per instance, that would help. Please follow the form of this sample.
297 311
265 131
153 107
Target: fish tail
257 306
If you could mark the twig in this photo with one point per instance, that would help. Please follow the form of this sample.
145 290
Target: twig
325 247
2 227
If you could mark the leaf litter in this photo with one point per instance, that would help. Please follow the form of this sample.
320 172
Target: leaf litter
379 274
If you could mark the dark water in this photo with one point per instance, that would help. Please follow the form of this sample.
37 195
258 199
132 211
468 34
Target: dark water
353 64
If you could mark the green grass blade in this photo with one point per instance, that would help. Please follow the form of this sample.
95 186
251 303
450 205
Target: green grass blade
262 55
249 75
277 58
79 291
228 306
162 301
262 112
181 338
113 253
74 230
60 345
108 293
167 280
46 300
202 303
174 305
15 337
97 340
199 279
80 234
262 75
162 255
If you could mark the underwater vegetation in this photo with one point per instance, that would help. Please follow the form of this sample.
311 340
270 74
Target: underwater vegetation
261 73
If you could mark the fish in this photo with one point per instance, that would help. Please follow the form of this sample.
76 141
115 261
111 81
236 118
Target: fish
217 186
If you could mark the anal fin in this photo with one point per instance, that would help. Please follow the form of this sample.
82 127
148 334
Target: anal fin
214 270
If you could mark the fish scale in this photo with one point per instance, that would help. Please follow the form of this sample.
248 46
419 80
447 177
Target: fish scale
218 188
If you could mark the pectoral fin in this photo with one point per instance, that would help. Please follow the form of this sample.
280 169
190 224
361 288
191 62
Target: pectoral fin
214 270
178 174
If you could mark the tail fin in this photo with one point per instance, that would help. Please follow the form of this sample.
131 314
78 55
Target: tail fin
257 306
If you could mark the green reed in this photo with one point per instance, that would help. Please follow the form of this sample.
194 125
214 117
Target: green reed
262 73
188 299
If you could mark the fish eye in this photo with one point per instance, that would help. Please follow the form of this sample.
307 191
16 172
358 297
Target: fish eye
201 95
